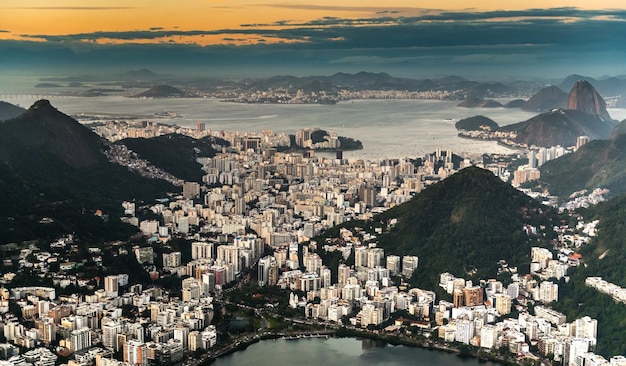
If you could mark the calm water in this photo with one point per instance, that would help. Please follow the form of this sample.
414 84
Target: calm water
339 352
387 128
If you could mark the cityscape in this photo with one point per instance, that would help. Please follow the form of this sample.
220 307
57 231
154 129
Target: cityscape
312 183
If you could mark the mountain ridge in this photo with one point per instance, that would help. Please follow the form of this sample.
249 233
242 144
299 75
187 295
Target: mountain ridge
53 167
472 216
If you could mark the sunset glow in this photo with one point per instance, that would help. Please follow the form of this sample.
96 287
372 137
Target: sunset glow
27 20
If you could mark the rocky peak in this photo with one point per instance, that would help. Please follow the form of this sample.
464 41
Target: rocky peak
584 98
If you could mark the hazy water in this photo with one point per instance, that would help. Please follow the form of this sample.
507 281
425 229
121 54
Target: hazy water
387 128
339 352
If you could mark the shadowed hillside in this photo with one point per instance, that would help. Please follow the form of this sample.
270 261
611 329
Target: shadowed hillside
52 166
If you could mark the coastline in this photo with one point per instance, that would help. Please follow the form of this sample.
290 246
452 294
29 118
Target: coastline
498 141
430 345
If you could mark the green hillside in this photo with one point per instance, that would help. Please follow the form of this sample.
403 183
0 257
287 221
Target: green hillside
464 225
598 164
52 166
175 153
603 257
476 123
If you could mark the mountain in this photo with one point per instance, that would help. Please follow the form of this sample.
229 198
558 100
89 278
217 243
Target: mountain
548 98
584 98
603 257
175 153
464 225
597 164
164 91
8 111
515 103
476 123
570 80
53 167
475 102
559 127
379 81
586 116
608 86
620 129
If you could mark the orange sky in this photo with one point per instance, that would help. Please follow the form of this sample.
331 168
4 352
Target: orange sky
60 17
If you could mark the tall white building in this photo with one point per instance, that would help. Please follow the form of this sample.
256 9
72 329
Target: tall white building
264 266
111 285
464 331
573 348
393 264
488 336
343 273
172 260
548 292
586 327
110 330
375 257
135 353
230 255
409 265
201 250
360 257
80 339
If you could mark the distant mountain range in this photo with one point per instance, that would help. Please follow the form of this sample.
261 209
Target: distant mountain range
548 98
611 86
378 81
584 113
53 167
164 91
8 111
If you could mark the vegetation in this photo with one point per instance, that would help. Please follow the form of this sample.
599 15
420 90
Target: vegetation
604 257
476 123
43 152
175 153
599 163
163 91
473 217
348 143
559 127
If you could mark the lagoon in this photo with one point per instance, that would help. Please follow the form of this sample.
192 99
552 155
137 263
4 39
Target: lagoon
340 352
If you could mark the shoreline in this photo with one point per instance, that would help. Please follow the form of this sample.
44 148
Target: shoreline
498 141
394 340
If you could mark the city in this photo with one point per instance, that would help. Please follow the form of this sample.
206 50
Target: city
257 200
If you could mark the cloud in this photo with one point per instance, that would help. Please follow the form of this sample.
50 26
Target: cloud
523 39
73 7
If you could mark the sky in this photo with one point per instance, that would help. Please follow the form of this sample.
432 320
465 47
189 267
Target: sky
243 38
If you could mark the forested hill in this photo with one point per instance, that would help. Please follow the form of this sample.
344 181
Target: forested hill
175 153
53 167
597 164
464 225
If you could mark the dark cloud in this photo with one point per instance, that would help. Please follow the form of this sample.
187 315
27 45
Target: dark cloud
563 40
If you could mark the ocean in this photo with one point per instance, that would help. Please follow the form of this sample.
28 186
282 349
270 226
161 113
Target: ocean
387 128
